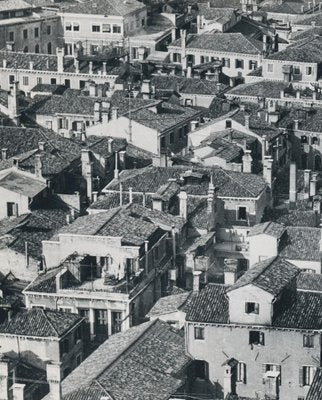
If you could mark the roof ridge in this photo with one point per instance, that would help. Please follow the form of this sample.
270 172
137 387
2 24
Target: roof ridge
44 312
236 181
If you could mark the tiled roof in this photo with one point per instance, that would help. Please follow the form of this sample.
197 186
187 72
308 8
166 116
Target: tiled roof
309 282
311 122
268 228
259 89
307 50
296 218
299 35
21 184
9 5
222 148
105 7
222 42
221 15
229 183
308 19
168 116
287 7
112 200
45 283
315 391
301 243
141 363
83 105
271 275
220 3
40 323
209 305
169 304
48 88
120 100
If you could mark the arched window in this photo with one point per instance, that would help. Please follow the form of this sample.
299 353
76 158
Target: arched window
49 48
25 50
37 48
315 140
303 139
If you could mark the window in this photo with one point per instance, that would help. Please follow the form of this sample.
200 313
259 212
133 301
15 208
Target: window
251 308
25 80
199 333
11 36
67 83
101 322
25 49
76 27
228 123
256 337
116 29
39 80
308 341
48 30
82 84
242 214
36 32
37 48
116 321
274 368
163 143
239 64
49 48
306 375
53 81
303 139
308 70
176 57
296 70
11 79
171 137
84 312
78 359
77 334
315 140
226 62
241 372
143 21
62 123
11 209
25 34
252 64
64 347
96 28
68 26
65 309
106 28
270 68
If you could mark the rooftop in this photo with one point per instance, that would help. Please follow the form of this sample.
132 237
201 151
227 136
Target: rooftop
21 184
105 7
10 5
268 228
286 7
221 15
40 323
301 243
309 282
222 42
143 362
170 304
315 391
306 51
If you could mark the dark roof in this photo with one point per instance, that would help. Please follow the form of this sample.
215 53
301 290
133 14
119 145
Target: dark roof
301 243
271 275
287 7
105 7
56 104
218 14
306 50
40 323
308 19
9 5
21 184
222 42
264 89
221 147
48 88
112 200
209 305
309 282
142 363
315 391
268 228
229 183
169 304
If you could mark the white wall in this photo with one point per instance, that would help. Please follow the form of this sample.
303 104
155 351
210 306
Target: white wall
261 247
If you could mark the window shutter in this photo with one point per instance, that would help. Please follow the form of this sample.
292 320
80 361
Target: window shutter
262 338
301 376
256 308
244 373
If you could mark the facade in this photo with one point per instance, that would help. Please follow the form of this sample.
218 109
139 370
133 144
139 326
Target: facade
267 349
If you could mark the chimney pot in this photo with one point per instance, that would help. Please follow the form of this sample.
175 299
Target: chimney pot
4 154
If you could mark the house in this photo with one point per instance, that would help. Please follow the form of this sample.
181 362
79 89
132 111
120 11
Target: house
27 28
40 336
111 22
287 11
110 267
159 374
299 245
215 19
239 54
269 346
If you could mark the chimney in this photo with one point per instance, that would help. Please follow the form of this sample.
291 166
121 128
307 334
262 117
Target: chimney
196 281
76 64
298 94
97 111
247 161
54 378
60 59
4 63
130 195
268 171
110 145
67 219
282 93
115 112
174 245
143 199
183 207
38 166
122 159
146 249
41 146
296 124
95 195
189 71
18 391
264 43
183 35
4 379
314 95
90 67
87 171
193 125
4 154
247 121
307 178
313 184
116 167
104 72
92 89
293 183
173 34
13 107
31 65
211 206
230 271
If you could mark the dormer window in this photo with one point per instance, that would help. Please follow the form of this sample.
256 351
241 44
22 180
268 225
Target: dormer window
251 308
241 213
256 337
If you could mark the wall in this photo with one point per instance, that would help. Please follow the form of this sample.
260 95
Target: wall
277 73
176 319
12 261
307 264
281 347
261 247
7 196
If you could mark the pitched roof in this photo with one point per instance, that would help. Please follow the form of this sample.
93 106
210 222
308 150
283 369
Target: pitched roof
308 19
21 184
218 14
268 228
315 391
169 304
271 275
105 7
286 7
141 363
222 42
9 5
301 243
306 50
309 282
270 89
40 323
